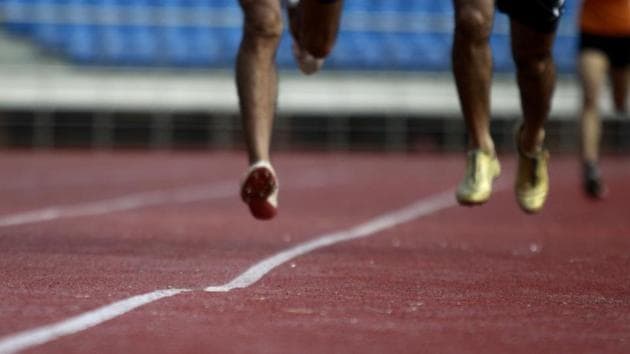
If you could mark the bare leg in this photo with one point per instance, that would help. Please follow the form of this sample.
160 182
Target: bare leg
472 67
256 74
319 26
536 76
620 78
592 70
314 26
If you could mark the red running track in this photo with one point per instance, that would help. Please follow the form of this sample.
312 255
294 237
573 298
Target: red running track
79 231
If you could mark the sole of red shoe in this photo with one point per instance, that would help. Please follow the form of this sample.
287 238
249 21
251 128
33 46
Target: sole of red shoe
255 192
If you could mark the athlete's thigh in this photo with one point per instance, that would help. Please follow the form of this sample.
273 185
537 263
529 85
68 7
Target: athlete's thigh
529 43
325 10
321 16
539 15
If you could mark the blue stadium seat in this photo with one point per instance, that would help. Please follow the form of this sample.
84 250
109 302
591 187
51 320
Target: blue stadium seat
128 45
565 53
175 47
203 46
375 34
19 15
197 47
501 53
360 50
413 51
82 45
284 57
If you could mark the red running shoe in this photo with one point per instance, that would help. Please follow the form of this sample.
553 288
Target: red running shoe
259 190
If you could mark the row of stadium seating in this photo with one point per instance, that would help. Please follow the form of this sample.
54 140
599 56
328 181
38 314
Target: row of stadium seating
375 34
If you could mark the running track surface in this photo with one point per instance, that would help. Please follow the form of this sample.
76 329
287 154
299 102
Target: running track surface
84 232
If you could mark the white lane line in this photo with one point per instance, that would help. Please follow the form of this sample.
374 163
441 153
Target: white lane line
132 201
380 223
40 335
189 194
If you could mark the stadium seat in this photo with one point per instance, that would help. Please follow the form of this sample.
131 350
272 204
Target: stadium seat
82 45
375 34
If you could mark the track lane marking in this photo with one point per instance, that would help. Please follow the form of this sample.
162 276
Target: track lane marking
44 334
40 335
182 195
132 201
420 208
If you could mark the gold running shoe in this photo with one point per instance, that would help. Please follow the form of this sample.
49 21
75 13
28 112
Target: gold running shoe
532 180
481 170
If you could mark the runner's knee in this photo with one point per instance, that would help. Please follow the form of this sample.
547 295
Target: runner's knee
262 20
533 60
473 24
589 100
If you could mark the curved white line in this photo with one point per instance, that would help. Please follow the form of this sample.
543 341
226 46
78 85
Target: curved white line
133 201
40 335
217 190
380 223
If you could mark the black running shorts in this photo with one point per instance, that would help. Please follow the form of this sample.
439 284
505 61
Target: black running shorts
617 49
541 15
